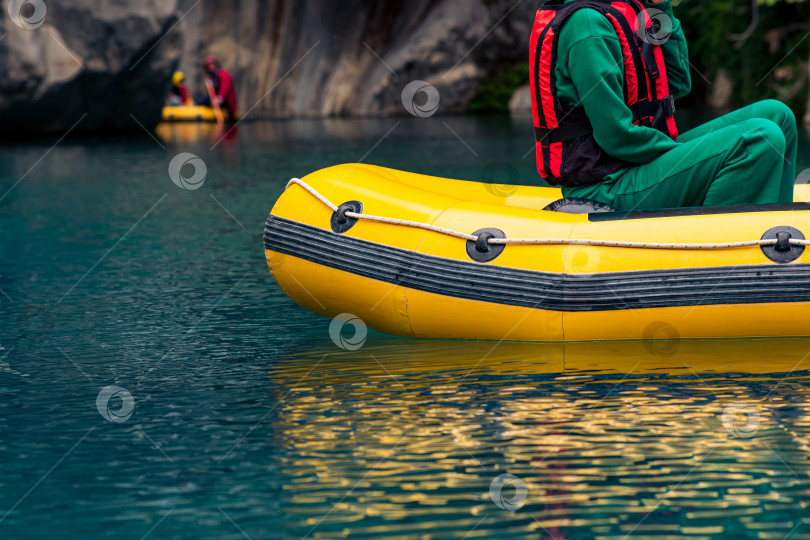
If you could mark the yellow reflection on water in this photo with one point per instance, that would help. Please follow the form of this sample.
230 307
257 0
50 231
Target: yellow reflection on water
186 132
404 438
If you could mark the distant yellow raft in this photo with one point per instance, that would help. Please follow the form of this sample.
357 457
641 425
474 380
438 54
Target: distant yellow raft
188 113
423 259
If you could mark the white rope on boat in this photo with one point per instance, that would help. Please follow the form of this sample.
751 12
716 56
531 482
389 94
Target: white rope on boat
540 241
392 221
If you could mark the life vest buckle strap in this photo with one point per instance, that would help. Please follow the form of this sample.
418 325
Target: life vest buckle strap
563 133
668 104
648 54
653 108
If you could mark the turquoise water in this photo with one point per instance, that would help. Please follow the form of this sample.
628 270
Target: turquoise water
239 417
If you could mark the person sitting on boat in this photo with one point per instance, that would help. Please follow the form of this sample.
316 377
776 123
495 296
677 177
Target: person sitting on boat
178 95
223 87
604 76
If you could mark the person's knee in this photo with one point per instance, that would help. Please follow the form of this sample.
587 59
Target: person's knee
778 108
764 138
775 135
779 113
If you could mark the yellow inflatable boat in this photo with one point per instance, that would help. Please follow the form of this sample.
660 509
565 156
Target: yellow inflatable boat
420 256
189 113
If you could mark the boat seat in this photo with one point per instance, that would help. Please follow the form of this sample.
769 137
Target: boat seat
572 205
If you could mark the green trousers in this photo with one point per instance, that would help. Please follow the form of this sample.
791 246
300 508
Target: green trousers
745 157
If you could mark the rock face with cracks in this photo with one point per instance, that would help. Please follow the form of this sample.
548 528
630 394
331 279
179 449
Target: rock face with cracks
316 58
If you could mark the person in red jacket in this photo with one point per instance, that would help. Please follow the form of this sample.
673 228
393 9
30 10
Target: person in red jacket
223 87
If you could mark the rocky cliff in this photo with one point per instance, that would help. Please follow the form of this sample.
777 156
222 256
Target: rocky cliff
85 65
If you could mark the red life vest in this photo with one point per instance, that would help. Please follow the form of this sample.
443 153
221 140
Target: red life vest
567 153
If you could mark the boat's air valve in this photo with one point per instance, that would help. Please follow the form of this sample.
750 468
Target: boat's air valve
481 250
783 251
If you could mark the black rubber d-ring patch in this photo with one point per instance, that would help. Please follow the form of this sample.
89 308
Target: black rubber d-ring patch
340 221
783 252
481 251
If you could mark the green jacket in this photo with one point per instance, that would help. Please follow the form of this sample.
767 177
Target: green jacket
590 74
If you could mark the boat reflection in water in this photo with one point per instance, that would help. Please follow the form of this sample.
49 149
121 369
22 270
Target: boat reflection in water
407 438
195 132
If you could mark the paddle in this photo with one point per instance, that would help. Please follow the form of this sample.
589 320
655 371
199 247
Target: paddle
214 101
